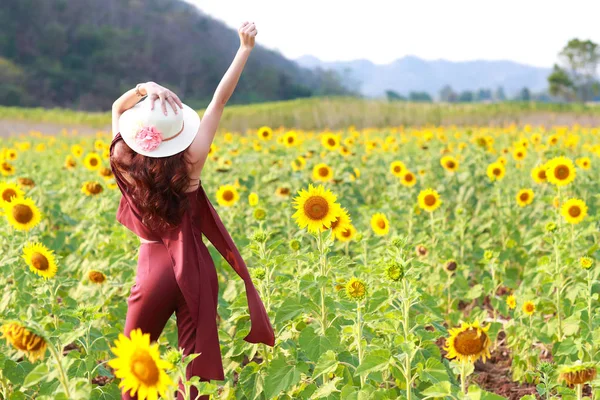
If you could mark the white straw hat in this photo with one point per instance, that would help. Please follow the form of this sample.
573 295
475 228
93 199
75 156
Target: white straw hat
154 134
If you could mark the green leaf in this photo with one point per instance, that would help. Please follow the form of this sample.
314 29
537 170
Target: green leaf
288 310
327 389
377 360
440 389
14 372
281 376
433 371
37 374
476 393
314 344
327 363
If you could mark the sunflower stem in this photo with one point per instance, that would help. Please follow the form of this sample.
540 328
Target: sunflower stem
405 320
463 378
589 308
62 376
579 388
558 289
358 340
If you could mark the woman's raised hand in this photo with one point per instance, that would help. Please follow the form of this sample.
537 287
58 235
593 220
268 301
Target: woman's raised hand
247 34
155 91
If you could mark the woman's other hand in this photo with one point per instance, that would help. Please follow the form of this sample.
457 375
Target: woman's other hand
155 91
247 34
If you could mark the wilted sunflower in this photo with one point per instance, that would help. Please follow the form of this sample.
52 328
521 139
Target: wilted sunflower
7 169
9 191
316 207
25 182
539 174
468 343
524 197
91 188
96 276
583 162
578 373
253 199
92 161
380 224
511 302
227 195
283 192
346 234
560 171
25 341
408 179
496 171
356 289
139 366
449 163
264 133
397 167
322 172
574 210
22 213
429 200
529 307
40 259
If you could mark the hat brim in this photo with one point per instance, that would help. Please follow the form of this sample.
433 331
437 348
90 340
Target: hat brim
129 118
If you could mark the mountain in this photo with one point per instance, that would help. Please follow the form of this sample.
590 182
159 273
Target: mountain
84 54
415 74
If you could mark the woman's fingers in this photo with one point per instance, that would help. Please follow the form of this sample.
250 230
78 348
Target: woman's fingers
153 98
172 103
163 103
177 100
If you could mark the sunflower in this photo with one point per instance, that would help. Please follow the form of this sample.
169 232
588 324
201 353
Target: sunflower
25 341
408 179
92 161
22 213
322 172
316 207
496 171
560 171
529 308
429 200
96 276
283 192
299 163
586 262
578 373
40 259
91 188
139 366
449 163
330 141
468 343
346 234
227 195
345 151
70 162
519 153
574 210
7 169
9 191
253 199
341 222
356 289
77 150
538 174
396 168
290 139
26 182
524 197
106 173
380 224
99 145
264 133
394 271
511 302
583 162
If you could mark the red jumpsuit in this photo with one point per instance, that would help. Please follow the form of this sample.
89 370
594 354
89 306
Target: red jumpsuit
177 274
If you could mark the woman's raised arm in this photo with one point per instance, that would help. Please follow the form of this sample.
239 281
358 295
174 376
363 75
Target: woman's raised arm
198 150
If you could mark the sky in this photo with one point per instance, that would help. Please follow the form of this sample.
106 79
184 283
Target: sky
527 31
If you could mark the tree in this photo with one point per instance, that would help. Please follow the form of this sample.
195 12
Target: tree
466 97
394 96
423 97
576 74
483 95
448 94
525 94
500 95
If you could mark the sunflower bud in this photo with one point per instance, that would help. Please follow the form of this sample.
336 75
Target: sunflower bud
398 242
259 214
258 272
488 255
294 245
550 227
394 271
259 236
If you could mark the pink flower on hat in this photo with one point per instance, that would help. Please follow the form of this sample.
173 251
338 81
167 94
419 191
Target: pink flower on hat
148 138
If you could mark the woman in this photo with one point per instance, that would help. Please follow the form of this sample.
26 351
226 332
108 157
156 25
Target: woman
157 155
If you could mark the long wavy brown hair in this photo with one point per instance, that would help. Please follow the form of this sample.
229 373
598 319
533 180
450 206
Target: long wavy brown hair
157 185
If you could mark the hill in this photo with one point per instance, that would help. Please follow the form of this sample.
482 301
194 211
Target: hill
415 74
83 54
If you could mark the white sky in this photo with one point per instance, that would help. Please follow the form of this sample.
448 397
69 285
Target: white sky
527 31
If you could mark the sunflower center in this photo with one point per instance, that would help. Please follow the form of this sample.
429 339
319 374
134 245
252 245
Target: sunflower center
323 171
93 162
429 200
397 168
290 139
39 261
542 174
496 171
381 223
529 308
561 172
331 142
22 213
574 211
408 178
7 194
265 133
144 368
316 207
450 164
469 342
284 190
346 233
524 196
228 195
357 289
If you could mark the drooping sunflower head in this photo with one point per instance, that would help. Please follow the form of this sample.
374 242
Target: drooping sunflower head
449 163
380 224
25 182
322 172
315 208
22 213
560 171
578 373
91 188
92 161
24 341
7 169
524 197
9 191
283 192
139 366
40 259
469 343
574 210
70 162
227 195
429 200
356 289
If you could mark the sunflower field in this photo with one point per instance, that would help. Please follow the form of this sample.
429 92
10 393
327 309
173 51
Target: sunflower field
455 262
